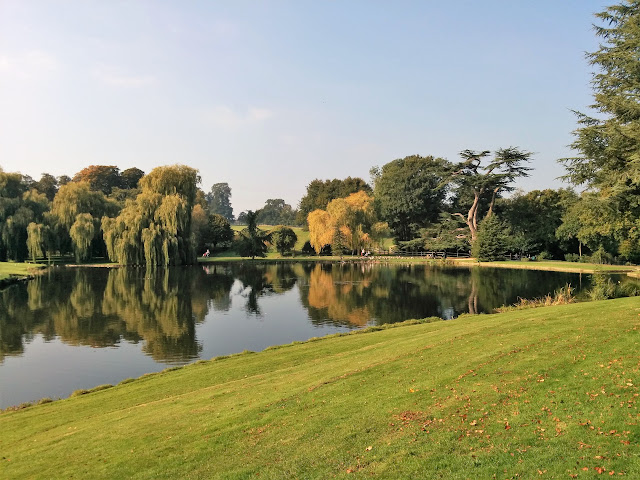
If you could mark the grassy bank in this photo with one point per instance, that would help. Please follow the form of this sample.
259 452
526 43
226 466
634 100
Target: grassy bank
552 265
11 272
542 393
548 265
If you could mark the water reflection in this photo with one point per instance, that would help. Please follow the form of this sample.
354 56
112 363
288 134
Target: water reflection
161 310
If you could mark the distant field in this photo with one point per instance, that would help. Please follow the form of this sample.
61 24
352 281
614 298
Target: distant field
541 393
302 235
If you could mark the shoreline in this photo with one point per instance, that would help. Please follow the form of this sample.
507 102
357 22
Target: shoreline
567 267
632 271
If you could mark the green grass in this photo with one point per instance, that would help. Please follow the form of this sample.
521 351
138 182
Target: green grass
552 265
542 393
8 270
230 255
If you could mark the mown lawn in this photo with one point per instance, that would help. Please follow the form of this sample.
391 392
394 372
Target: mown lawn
541 393
303 236
8 269
552 265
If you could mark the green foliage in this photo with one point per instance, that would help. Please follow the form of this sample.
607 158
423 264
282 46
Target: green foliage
409 193
283 239
608 143
484 183
71 201
320 193
571 257
276 212
19 206
35 240
47 185
601 257
81 233
595 221
535 216
449 233
219 199
130 177
216 232
155 229
14 233
75 198
253 241
492 240
561 296
603 288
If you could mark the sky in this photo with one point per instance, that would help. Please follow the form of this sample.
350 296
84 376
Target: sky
269 95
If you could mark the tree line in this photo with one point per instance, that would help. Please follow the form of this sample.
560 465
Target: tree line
161 218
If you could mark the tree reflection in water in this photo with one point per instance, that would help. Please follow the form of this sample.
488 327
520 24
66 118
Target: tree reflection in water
101 308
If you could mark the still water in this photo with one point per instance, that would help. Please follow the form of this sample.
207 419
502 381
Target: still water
74 328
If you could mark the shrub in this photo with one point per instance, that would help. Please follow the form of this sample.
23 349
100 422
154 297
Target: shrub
490 244
561 296
284 239
605 288
308 249
571 257
601 256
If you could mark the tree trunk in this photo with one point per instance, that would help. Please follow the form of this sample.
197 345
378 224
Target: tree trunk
472 217
493 201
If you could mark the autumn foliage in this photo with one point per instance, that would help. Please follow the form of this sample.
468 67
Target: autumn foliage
347 224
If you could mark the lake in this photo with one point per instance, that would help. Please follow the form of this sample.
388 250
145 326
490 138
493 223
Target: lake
74 328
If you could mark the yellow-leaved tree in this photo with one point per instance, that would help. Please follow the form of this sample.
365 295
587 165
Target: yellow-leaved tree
348 224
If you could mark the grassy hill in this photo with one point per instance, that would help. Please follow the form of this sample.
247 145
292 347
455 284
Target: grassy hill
540 393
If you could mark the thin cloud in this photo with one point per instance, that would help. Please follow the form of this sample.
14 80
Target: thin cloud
226 117
117 78
28 65
259 114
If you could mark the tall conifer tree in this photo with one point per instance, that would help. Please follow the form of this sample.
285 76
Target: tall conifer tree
608 142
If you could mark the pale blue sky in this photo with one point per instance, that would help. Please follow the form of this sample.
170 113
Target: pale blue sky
268 95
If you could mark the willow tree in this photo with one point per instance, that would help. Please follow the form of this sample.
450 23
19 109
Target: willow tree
35 240
73 200
348 223
155 229
321 229
81 233
19 206
354 216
